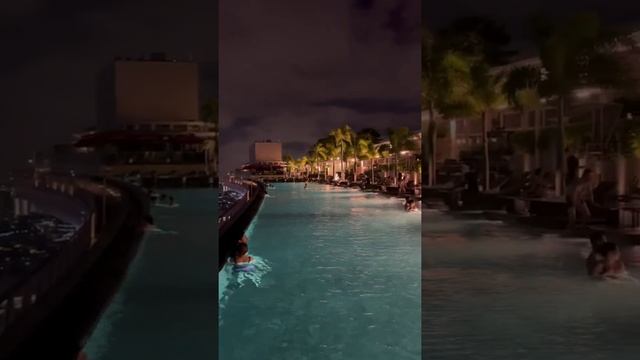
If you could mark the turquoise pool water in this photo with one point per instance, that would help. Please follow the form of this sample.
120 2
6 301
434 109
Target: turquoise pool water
496 291
339 278
166 306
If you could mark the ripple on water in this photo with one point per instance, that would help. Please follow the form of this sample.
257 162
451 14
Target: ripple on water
344 280
493 291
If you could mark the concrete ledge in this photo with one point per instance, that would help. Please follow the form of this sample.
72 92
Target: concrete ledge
230 233
66 315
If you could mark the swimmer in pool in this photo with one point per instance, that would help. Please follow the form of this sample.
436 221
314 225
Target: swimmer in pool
611 265
596 257
241 255
409 204
244 240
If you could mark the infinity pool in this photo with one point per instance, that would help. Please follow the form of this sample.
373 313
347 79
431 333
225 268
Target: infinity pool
494 291
166 306
338 278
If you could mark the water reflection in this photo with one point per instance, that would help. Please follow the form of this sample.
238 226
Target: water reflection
500 292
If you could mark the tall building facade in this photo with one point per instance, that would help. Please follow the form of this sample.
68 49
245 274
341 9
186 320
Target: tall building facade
150 119
265 152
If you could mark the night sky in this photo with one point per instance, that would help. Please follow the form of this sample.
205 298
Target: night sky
516 14
53 50
291 70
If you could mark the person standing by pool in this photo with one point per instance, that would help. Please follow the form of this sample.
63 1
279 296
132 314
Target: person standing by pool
573 165
403 184
579 197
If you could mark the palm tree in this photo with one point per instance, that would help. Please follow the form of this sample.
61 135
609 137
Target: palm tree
343 137
485 97
400 140
290 164
429 94
333 152
574 53
446 83
302 163
367 151
318 153
521 91
456 78
440 76
354 151
336 135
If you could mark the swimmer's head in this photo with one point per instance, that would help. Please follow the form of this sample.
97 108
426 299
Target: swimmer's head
610 251
241 249
597 239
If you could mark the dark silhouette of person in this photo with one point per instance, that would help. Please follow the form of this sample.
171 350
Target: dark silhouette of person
573 164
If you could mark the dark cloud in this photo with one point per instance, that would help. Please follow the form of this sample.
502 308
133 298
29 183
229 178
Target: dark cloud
373 105
280 60
401 21
295 148
516 15
242 128
363 4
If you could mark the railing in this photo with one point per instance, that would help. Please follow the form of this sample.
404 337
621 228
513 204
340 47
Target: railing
251 190
157 158
17 300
